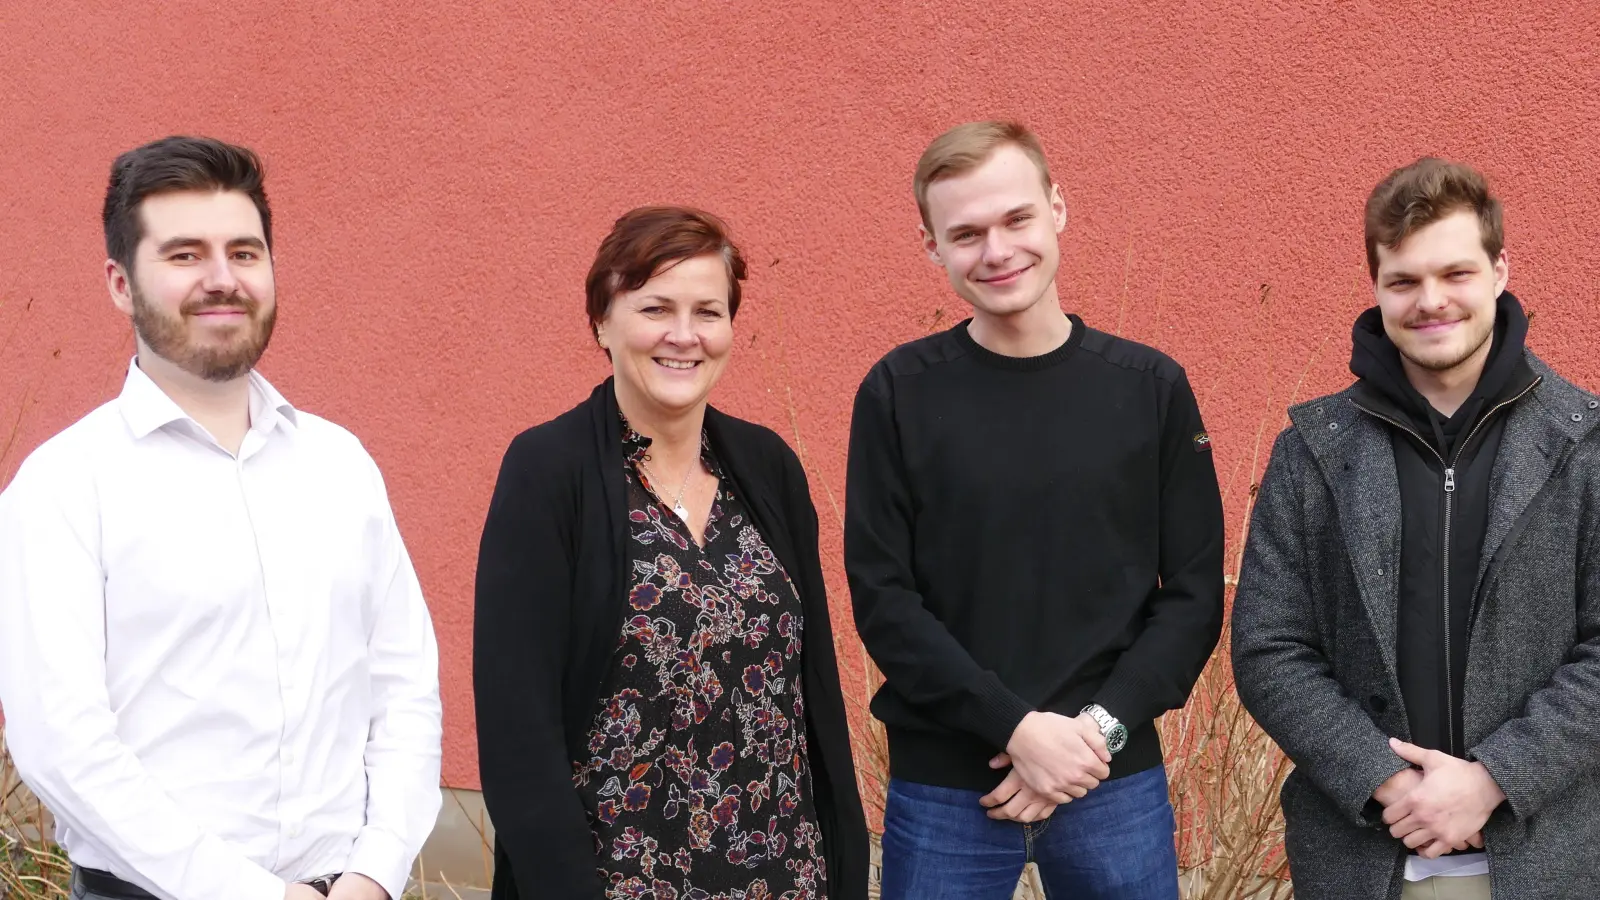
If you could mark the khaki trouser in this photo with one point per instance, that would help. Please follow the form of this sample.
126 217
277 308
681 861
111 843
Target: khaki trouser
1444 887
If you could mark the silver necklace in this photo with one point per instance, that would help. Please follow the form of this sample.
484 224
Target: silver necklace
677 504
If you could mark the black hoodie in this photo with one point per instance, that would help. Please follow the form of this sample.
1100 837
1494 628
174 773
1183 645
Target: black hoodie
1444 509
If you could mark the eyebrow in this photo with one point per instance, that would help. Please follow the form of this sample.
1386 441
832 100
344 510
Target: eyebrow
962 226
665 299
1447 267
177 243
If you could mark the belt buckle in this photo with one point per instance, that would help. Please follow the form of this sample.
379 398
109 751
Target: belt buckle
322 883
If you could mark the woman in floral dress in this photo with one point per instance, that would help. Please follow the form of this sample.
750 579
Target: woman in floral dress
659 712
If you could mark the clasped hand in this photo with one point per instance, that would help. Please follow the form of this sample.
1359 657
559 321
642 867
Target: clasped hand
1054 759
1441 804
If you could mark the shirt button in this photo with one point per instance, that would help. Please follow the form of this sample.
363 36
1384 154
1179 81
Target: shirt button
288 757
294 829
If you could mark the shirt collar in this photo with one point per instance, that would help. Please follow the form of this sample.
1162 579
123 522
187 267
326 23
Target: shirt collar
268 408
147 408
637 446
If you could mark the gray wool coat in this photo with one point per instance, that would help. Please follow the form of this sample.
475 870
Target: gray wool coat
1314 643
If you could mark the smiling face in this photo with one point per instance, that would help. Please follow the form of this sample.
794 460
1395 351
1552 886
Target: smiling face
994 231
201 292
1437 292
670 339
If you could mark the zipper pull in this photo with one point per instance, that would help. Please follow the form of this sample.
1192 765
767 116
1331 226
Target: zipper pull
1449 479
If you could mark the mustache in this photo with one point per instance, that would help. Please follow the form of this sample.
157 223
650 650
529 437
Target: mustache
1415 321
228 301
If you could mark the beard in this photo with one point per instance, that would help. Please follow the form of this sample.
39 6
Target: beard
1445 360
222 359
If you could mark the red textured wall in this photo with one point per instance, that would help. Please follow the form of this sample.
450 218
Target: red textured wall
441 177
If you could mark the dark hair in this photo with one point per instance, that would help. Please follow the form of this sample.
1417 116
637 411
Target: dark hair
1418 195
648 240
176 164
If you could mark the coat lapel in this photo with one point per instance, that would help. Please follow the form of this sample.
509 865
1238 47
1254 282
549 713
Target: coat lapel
606 426
1354 452
1541 430
1529 452
755 490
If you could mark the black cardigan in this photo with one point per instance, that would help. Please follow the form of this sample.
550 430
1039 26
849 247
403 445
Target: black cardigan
551 593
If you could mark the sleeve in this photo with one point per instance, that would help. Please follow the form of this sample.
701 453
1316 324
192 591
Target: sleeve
920 660
60 727
521 633
1184 618
1538 755
847 858
403 743
1281 670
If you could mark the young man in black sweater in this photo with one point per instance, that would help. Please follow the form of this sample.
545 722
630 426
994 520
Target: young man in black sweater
1033 539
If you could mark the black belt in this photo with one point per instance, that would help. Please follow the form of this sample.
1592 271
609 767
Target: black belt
106 884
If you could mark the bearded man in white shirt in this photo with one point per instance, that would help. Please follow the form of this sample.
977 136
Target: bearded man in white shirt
216 666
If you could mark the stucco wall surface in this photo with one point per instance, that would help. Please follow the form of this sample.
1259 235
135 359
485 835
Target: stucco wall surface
442 172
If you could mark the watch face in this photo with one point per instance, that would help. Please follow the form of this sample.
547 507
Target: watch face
1117 739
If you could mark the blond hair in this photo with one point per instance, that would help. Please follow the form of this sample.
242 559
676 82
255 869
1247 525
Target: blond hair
966 147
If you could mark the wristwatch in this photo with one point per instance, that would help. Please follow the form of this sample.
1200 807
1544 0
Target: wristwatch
1115 733
322 883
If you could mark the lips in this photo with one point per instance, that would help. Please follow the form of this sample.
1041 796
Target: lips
1001 279
1434 325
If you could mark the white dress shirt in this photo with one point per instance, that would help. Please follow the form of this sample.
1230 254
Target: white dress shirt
217 672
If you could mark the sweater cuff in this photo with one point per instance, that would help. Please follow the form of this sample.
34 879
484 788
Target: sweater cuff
1000 711
1123 697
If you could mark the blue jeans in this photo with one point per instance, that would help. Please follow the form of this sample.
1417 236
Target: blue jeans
1114 844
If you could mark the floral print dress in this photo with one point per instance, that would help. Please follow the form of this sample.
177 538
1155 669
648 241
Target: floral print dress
697 785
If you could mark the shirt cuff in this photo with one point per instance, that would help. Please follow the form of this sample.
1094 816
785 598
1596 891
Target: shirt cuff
251 882
381 857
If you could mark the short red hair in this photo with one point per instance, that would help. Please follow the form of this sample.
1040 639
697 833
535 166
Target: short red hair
647 241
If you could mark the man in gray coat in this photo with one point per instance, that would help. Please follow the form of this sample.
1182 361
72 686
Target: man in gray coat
1418 615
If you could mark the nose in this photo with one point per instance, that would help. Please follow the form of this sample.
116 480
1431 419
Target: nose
1433 296
682 333
996 249
218 277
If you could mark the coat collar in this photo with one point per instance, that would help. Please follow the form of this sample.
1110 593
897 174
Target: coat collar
1355 456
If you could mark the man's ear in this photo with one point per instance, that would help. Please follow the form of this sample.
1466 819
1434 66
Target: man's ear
1058 208
930 245
119 282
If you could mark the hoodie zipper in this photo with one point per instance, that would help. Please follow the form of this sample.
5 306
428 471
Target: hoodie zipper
1449 495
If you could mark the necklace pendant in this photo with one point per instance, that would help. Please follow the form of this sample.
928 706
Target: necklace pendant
682 513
